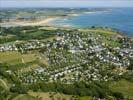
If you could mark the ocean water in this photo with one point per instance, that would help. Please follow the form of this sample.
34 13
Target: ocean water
117 18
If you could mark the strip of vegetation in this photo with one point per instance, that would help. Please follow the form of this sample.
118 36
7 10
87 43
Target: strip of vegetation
95 89
24 33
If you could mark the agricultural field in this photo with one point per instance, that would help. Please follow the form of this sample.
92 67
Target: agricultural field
16 57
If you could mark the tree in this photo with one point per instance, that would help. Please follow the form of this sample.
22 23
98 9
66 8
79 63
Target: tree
118 95
21 89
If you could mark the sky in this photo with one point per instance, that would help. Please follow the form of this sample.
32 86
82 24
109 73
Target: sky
66 3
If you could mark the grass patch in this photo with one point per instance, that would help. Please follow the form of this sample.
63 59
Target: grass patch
99 30
16 57
85 98
51 96
24 97
123 86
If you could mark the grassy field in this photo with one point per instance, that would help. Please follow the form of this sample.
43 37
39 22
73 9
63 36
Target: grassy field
25 97
123 86
84 98
16 57
57 96
50 96
99 30
48 28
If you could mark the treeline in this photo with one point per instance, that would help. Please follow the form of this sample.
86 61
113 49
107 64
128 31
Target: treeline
95 89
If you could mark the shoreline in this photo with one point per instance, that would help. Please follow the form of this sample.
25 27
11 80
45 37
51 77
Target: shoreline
43 22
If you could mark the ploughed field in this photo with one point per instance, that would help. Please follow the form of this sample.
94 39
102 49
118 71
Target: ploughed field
77 64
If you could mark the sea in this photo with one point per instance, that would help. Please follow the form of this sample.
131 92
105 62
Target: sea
117 18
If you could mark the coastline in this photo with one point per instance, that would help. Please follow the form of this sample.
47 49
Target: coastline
43 22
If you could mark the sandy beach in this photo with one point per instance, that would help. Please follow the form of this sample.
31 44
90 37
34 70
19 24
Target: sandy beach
42 22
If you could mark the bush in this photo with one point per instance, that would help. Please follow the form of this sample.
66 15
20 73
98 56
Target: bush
19 89
118 95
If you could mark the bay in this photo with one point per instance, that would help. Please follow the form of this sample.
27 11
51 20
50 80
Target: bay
117 18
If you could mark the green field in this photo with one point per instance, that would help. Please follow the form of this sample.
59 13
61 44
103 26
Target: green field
99 30
16 57
123 86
